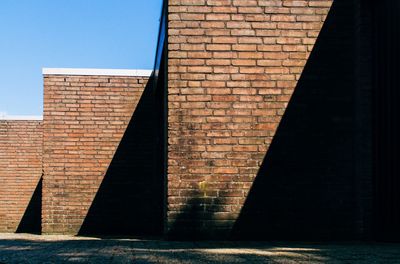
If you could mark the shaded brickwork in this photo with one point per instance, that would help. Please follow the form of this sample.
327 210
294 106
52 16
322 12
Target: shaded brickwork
386 57
91 126
363 118
130 199
306 186
262 123
20 173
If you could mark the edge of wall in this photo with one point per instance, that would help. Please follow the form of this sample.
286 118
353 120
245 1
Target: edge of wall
21 118
97 72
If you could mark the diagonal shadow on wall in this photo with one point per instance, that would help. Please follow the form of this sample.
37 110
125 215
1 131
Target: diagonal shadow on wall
305 186
31 221
130 198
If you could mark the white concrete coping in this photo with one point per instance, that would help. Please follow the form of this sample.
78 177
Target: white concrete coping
98 72
21 117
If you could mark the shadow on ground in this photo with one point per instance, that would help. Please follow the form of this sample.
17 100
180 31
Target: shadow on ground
38 250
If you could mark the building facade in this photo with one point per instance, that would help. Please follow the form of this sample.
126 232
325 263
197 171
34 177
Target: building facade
262 119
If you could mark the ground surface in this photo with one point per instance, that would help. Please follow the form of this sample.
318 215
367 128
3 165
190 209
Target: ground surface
24 248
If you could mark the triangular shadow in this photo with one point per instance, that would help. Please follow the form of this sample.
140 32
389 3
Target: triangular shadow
129 201
31 221
305 186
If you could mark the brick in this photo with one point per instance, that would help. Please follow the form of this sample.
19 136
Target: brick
224 17
78 149
242 80
20 168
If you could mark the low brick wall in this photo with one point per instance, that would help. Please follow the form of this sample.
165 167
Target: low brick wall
97 148
20 171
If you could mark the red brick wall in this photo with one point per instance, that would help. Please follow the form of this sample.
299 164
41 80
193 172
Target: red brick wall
265 124
20 169
233 66
85 118
364 102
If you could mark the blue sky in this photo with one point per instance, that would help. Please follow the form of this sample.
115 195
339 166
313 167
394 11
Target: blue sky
116 34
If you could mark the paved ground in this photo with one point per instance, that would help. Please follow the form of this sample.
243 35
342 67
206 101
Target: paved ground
24 248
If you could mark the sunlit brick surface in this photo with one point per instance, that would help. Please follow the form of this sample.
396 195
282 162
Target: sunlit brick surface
20 169
233 66
85 118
